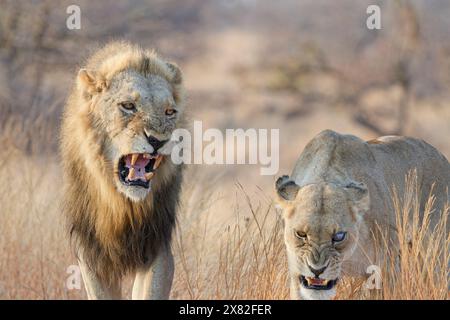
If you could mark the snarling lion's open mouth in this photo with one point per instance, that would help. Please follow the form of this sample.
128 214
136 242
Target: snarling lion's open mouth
138 169
317 283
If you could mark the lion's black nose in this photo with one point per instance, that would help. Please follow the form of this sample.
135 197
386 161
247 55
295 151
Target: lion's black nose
155 143
317 272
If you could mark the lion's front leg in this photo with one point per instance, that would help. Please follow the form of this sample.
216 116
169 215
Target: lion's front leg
95 289
155 280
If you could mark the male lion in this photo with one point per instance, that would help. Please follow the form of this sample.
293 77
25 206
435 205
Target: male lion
121 189
337 194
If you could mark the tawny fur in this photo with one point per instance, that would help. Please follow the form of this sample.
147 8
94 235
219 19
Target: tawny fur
114 234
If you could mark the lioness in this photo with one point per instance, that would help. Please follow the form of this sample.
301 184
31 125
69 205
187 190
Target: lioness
121 190
338 191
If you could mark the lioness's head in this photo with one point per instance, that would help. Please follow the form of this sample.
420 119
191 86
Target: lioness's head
321 231
133 104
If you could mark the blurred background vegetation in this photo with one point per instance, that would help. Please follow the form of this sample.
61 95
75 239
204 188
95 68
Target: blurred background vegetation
291 56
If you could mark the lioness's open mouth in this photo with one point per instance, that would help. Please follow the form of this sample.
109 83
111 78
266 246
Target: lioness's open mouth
137 169
317 283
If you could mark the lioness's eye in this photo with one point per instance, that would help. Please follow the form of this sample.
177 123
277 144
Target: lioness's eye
300 235
170 111
339 236
128 106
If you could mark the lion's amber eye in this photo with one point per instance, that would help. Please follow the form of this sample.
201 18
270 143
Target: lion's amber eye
170 111
300 234
128 106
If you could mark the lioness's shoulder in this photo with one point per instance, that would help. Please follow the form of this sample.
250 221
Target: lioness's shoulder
334 144
331 140
330 149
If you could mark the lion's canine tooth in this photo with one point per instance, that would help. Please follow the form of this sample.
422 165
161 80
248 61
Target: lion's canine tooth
134 158
157 162
147 156
131 174
149 175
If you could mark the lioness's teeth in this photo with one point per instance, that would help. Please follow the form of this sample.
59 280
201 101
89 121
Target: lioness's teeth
131 174
147 156
148 176
134 158
316 281
157 162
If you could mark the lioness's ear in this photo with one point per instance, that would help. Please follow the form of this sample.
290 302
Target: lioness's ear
286 188
177 76
359 195
89 83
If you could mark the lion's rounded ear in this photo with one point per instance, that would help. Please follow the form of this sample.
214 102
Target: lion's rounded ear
177 76
286 188
86 78
89 82
359 195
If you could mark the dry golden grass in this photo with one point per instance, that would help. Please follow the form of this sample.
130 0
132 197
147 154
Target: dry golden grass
420 269
33 249
240 259
415 265
250 262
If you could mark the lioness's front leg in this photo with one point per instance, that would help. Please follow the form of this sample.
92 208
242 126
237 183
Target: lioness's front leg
155 280
95 289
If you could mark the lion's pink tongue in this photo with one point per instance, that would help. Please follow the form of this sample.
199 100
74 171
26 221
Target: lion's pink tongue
139 167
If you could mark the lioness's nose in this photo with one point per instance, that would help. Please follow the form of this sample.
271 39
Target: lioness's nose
317 272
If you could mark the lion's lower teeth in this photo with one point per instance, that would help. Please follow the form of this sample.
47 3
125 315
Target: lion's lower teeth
138 166
157 162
